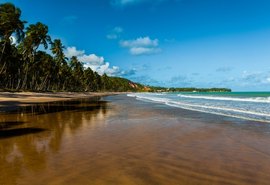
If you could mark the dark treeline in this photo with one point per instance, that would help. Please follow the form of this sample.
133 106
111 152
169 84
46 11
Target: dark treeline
188 89
24 67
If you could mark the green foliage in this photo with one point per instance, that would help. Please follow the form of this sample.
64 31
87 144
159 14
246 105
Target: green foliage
24 67
188 89
10 22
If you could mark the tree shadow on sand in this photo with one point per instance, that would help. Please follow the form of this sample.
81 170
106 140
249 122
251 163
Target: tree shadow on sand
58 106
7 129
10 124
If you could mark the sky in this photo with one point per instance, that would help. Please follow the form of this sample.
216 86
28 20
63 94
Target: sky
171 43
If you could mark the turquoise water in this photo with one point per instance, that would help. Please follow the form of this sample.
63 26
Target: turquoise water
244 105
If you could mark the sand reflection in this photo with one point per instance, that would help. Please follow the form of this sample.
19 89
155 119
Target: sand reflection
30 135
130 142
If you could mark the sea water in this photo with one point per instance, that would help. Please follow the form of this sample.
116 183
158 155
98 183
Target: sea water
245 105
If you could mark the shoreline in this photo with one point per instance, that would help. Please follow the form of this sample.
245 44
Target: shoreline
121 140
16 99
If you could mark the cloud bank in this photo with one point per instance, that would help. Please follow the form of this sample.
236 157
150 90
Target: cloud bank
96 63
141 46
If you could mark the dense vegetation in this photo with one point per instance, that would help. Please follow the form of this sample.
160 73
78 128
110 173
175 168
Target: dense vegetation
23 67
188 89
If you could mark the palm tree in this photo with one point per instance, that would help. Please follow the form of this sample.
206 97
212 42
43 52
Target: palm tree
106 84
77 71
65 77
36 35
97 81
44 68
57 49
88 79
60 59
9 23
24 66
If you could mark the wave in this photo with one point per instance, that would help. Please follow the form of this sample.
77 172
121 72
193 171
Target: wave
255 99
131 95
155 94
224 111
224 114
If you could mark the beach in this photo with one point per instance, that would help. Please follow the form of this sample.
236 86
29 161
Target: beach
31 97
121 140
9 100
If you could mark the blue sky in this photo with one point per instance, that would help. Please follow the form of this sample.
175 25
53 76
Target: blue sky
181 43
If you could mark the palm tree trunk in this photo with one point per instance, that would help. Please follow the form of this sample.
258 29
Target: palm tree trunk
18 84
41 87
2 54
25 77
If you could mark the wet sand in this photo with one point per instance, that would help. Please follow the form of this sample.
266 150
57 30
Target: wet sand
120 140
9 100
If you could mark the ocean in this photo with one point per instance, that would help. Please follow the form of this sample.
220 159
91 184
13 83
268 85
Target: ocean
253 106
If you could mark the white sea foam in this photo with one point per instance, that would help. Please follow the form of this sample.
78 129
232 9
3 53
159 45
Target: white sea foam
229 110
131 95
255 99
224 114
223 109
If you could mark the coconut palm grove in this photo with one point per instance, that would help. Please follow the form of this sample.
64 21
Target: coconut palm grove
25 64
31 61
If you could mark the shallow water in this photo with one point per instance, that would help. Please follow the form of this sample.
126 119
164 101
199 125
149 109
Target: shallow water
245 105
120 140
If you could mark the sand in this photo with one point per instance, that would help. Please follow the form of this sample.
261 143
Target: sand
120 140
8 99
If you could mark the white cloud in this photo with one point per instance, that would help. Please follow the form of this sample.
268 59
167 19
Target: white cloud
115 33
72 51
118 29
125 2
140 42
96 63
13 40
122 3
252 78
92 58
112 36
105 68
141 46
144 51
247 80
